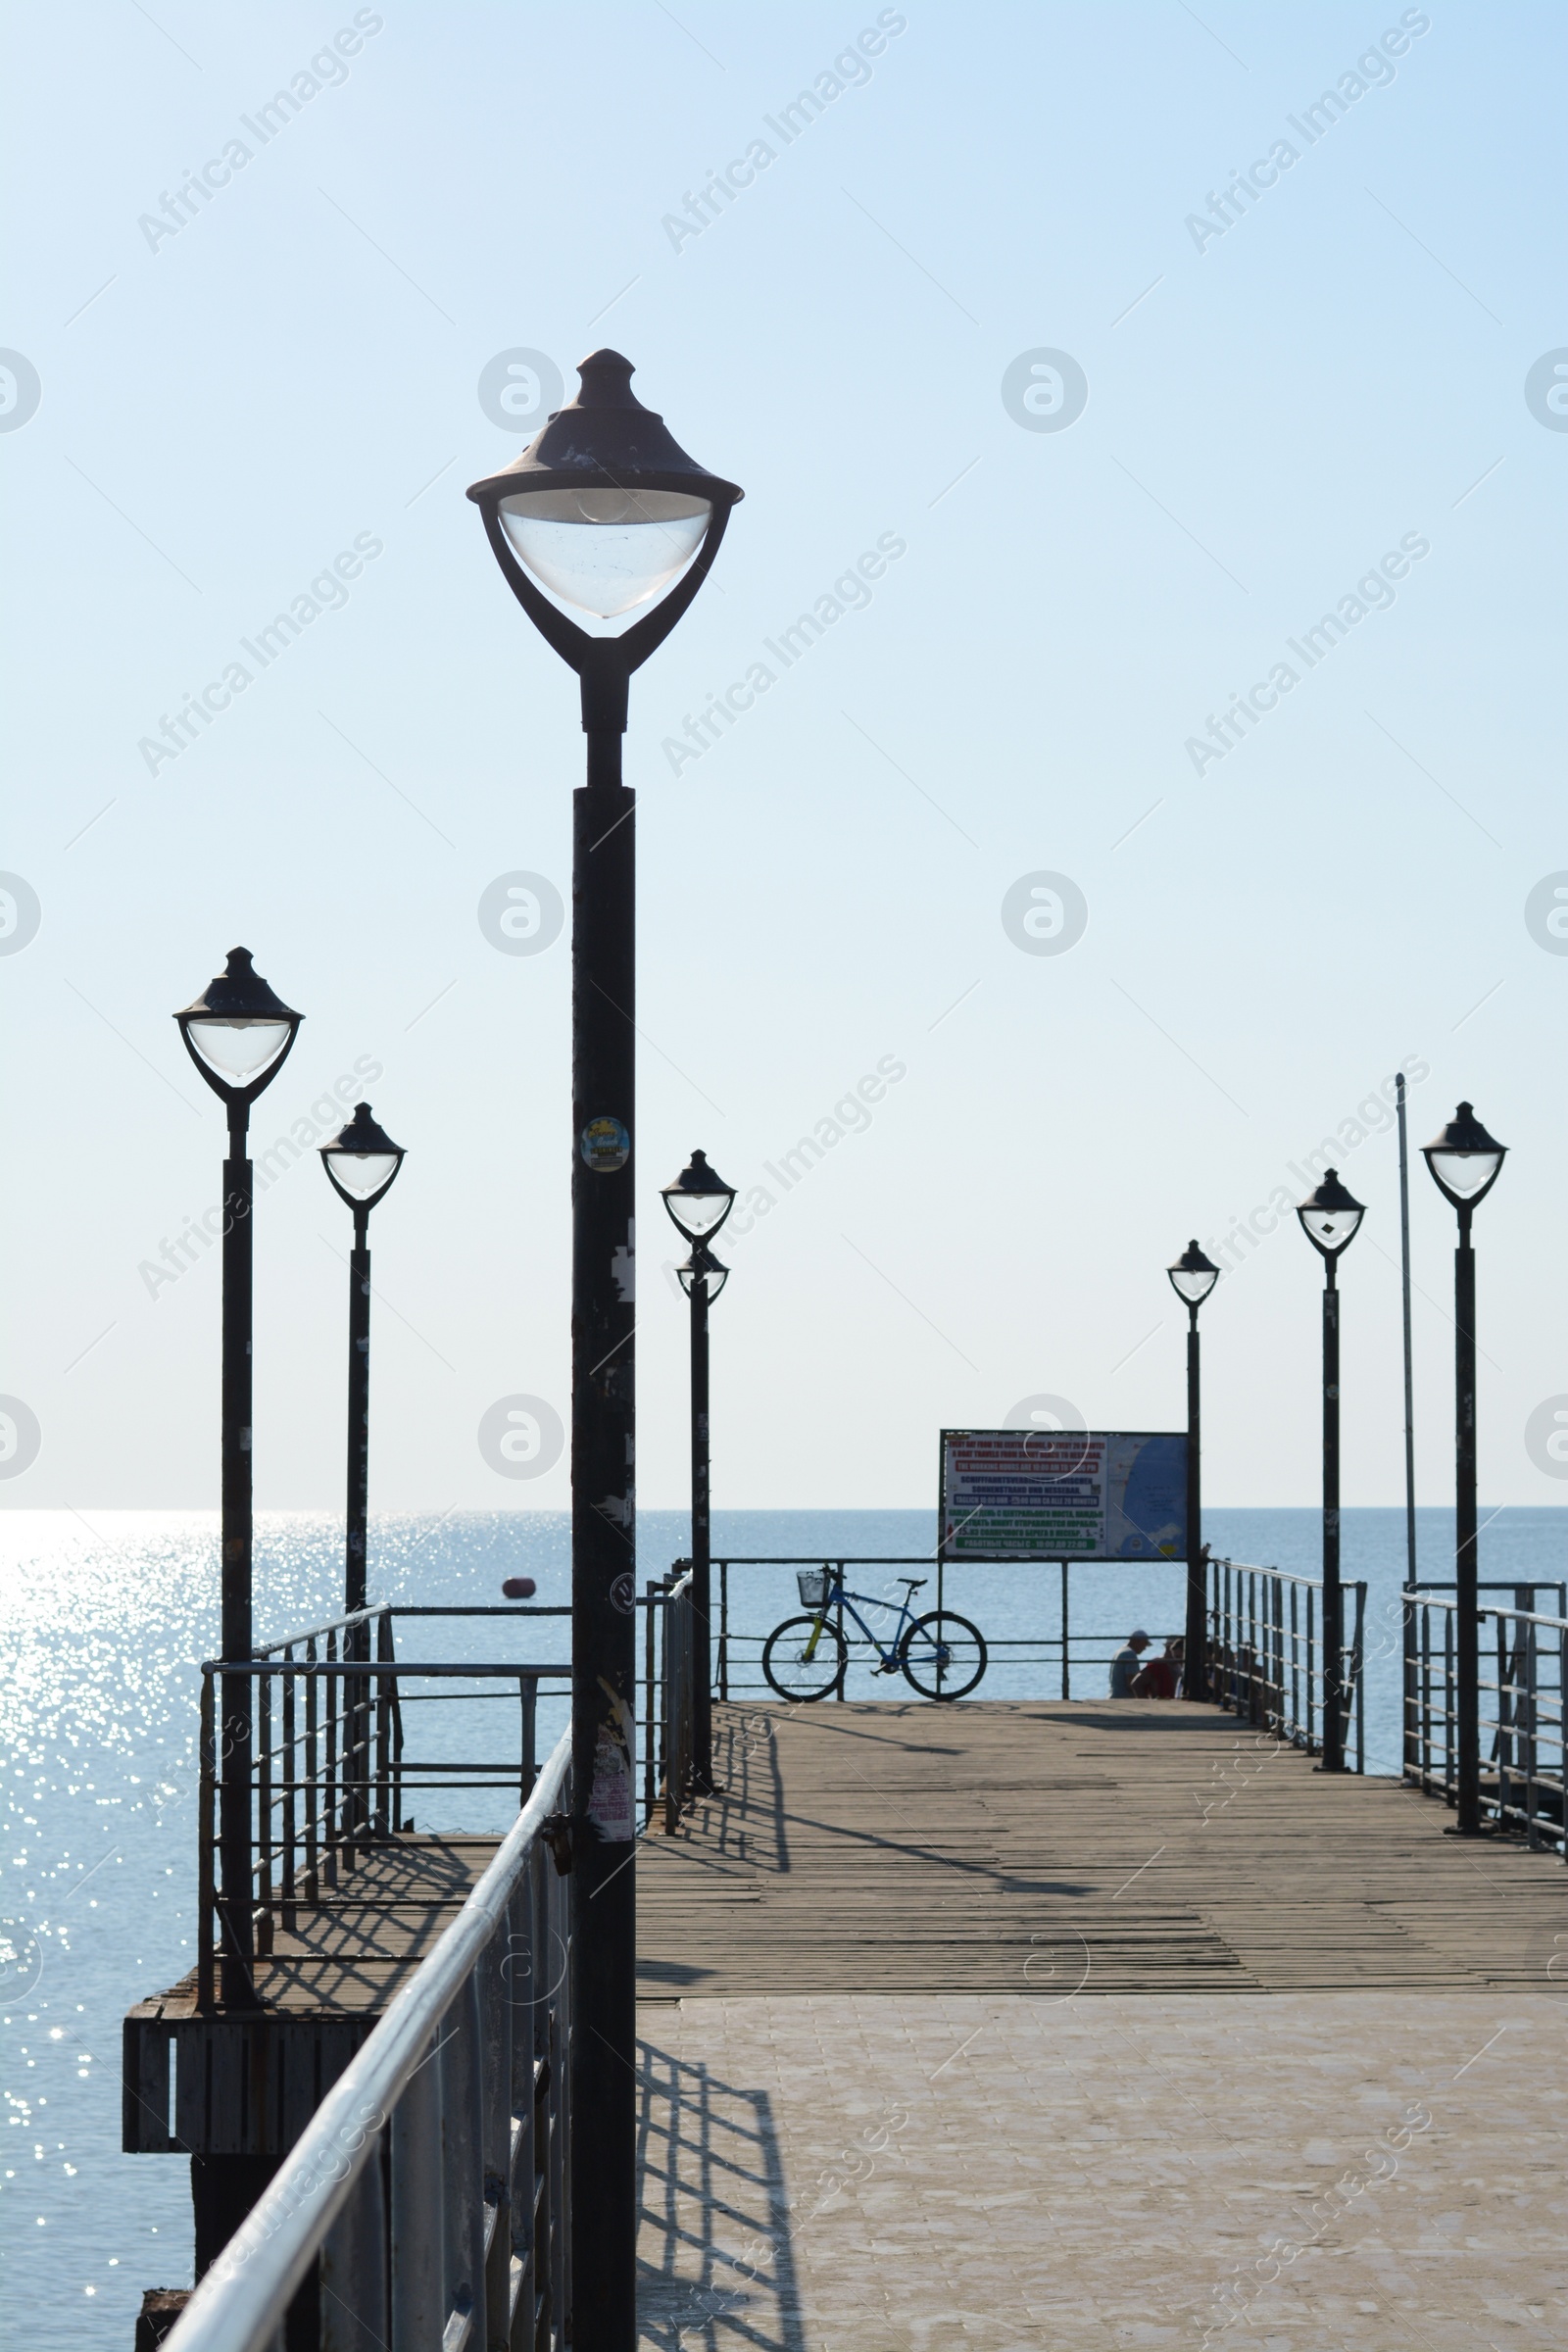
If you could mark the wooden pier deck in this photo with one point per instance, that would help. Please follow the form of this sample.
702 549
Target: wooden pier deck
1026 1848
1083 2027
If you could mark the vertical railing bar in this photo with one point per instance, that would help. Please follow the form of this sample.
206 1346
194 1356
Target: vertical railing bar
205 1839
312 1882
290 1775
329 1816
264 1814
1449 1705
384 1823
838 1566
650 1713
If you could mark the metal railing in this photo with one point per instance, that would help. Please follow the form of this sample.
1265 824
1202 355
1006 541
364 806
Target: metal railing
425 2204
1065 1652
1267 1661
331 1775
1524 1765
678 1695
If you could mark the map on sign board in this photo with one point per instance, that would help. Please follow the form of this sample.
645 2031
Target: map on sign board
1063 1494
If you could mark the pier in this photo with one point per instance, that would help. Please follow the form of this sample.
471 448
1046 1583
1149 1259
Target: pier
1084 2025
1007 2022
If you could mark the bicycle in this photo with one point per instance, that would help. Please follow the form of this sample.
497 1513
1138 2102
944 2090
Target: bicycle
941 1654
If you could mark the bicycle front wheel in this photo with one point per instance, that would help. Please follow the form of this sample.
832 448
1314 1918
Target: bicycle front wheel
805 1658
943 1655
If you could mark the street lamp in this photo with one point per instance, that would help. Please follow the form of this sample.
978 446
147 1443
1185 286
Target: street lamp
699 1200
606 512
238 1033
362 1162
1191 1278
1331 1219
1465 1162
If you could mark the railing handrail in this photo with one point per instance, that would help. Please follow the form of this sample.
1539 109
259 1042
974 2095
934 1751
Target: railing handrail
358 1669
237 2306
336 1624
1286 1576
1433 1600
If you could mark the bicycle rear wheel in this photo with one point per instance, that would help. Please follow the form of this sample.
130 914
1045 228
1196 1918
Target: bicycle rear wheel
943 1655
805 1658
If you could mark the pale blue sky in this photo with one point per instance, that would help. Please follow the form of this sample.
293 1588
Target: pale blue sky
1270 413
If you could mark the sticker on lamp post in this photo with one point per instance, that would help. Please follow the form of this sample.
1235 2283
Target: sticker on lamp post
610 1800
606 1146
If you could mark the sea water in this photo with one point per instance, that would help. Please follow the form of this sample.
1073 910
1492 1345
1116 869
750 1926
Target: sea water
103 1618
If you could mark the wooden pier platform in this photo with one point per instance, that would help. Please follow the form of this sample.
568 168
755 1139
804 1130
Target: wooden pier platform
245 2083
1015 1848
1065 2027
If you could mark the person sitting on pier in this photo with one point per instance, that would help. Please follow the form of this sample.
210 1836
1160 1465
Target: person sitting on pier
1161 1677
1124 1665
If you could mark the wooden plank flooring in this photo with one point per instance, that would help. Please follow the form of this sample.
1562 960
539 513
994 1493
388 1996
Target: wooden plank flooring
347 1955
1057 1850
996 1848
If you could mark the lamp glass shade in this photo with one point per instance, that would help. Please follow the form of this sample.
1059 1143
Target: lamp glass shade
1332 1229
699 1200
1193 1276
1193 1288
238 1050
1464 1159
708 1269
361 1158
1464 1172
365 1173
238 1030
605 551
1331 1216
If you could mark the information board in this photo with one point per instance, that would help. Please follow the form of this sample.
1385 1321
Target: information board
1063 1494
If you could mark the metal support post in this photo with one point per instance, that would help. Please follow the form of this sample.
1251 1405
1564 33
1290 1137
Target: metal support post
1333 1598
701 1540
603 1956
1195 1673
235 1740
1408 1628
1467 1664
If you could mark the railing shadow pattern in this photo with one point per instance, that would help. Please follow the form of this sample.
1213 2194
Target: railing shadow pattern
716 2265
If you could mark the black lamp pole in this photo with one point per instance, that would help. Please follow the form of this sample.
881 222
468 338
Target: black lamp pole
1192 1277
699 1200
238 1034
1331 1219
1465 1164
604 510
361 1162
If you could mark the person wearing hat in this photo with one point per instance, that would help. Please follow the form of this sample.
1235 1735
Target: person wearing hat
1124 1665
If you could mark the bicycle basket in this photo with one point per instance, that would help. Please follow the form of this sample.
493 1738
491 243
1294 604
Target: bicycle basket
813 1586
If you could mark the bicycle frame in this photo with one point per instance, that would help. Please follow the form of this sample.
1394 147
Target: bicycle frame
838 1596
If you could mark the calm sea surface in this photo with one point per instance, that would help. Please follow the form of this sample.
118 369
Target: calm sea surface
102 1624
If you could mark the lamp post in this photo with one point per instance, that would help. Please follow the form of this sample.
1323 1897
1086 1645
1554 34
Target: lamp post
361 1162
606 513
238 1034
699 1200
1191 1278
1465 1162
1331 1219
